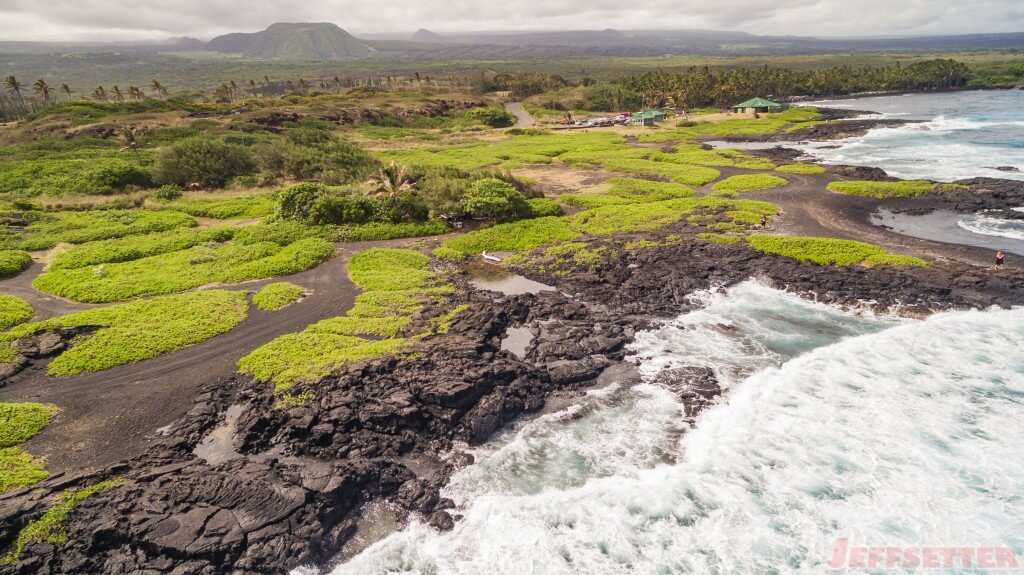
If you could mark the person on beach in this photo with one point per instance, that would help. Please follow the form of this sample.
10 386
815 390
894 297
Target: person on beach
764 221
1000 258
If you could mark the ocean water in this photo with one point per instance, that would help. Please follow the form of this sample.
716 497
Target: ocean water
962 135
834 427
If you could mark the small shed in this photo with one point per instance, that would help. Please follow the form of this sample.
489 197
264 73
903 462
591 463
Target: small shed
758 106
647 118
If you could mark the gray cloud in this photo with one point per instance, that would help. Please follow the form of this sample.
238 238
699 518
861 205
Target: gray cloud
106 20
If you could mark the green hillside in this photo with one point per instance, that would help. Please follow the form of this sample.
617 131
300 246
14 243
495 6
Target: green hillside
308 41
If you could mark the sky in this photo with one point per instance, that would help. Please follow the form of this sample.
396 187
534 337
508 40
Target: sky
132 20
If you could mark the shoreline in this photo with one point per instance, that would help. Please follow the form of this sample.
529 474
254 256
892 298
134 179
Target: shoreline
297 482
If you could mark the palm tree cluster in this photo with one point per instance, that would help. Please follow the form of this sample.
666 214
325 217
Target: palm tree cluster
17 102
699 87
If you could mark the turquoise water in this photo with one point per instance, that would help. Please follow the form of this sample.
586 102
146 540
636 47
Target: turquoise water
834 427
963 135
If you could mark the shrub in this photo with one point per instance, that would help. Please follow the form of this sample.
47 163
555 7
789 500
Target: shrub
493 117
829 251
94 173
168 193
277 295
280 233
719 238
13 262
896 189
209 162
749 183
495 200
13 311
308 153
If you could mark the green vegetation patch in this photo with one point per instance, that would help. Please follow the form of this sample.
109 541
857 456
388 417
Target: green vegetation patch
45 230
13 262
629 191
136 247
697 155
185 269
608 219
801 169
386 231
749 183
723 239
897 189
13 311
277 295
19 422
51 527
140 330
18 469
396 283
679 173
220 208
78 174
829 251
514 236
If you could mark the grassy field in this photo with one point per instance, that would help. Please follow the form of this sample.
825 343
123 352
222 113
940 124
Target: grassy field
139 330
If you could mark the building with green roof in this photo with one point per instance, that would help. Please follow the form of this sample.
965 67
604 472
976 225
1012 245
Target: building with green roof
647 118
758 106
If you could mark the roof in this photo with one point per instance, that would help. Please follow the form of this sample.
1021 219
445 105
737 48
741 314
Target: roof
648 114
758 103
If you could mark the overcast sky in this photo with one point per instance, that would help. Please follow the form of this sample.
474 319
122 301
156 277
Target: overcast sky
107 20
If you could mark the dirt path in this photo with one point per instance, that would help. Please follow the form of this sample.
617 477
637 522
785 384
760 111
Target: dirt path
105 417
524 119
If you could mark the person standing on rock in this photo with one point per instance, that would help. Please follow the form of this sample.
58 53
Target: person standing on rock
764 221
1000 258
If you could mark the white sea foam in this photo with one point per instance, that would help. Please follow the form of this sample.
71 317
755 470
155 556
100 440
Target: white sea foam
992 226
908 435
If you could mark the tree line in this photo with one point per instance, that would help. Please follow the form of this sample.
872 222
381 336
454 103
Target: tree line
700 87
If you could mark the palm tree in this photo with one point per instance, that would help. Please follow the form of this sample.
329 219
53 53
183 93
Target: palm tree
391 182
304 85
234 89
43 90
159 88
127 134
118 95
134 93
13 88
100 94
66 90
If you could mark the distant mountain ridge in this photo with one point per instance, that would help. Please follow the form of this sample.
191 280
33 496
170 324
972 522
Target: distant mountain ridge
427 37
294 41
